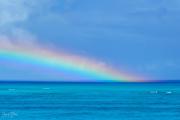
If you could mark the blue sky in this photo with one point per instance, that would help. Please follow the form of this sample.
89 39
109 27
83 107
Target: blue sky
139 36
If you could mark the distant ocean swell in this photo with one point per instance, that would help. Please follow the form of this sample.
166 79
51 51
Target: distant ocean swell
89 101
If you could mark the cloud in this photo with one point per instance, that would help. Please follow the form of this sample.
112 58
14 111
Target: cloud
15 12
12 11
17 36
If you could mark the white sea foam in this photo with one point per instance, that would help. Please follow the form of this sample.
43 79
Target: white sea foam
154 92
46 88
12 89
169 92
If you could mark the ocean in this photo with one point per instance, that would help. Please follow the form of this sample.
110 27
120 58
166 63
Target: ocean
89 101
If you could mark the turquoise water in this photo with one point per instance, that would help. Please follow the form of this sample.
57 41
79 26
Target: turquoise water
30 101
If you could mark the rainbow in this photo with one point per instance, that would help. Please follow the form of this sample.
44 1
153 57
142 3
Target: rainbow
70 67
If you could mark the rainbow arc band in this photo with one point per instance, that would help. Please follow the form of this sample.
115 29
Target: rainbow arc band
81 68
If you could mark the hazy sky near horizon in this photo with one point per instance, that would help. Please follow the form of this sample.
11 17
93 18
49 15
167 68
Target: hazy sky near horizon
138 36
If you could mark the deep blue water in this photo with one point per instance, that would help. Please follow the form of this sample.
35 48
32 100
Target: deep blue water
60 101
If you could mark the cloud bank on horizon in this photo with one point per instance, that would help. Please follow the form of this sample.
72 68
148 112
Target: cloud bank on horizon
137 36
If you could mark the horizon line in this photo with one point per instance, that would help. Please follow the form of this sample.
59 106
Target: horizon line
89 82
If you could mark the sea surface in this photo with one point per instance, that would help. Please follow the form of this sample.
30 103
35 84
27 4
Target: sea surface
89 101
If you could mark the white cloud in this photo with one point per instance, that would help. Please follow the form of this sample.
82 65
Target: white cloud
12 11
19 11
